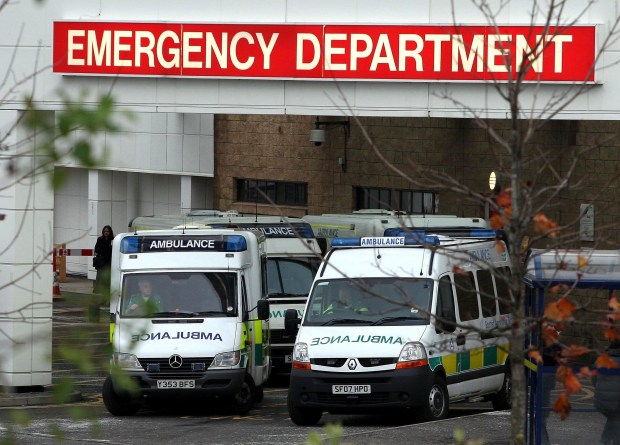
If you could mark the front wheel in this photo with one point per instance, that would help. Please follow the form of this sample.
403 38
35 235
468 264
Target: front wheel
118 404
241 403
436 406
303 416
503 399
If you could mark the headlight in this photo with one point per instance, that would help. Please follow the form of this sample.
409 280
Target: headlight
300 353
412 355
226 359
126 361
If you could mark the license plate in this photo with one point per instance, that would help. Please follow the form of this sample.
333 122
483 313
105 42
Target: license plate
350 389
288 358
176 384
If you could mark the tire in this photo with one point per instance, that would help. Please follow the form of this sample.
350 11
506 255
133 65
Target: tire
503 399
436 406
118 405
243 401
259 394
303 416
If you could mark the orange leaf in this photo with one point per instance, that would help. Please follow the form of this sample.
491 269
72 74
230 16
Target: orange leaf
571 383
586 373
535 355
562 406
604 361
611 335
542 224
559 310
614 304
501 247
497 222
582 261
549 334
574 351
504 199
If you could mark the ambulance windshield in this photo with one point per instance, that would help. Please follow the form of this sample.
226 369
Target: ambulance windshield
371 301
179 294
292 276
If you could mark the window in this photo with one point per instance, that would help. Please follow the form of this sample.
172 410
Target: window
487 293
503 292
410 201
466 296
277 192
445 306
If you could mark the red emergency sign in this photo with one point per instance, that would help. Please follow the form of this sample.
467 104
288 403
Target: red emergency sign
355 52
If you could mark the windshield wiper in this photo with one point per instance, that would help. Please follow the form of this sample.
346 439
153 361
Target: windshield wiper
171 314
390 319
207 313
345 321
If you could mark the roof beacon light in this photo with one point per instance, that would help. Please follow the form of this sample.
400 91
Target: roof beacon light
386 241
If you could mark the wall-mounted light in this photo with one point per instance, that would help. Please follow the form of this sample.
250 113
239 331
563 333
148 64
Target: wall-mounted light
317 137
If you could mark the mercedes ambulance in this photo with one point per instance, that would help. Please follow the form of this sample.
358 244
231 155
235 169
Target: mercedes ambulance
409 322
293 257
374 222
189 318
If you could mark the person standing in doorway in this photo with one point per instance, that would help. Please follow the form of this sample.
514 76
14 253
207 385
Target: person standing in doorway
102 263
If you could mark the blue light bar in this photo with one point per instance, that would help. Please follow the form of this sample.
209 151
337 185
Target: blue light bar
454 232
179 243
386 241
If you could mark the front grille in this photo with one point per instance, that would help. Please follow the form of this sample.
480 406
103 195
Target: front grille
184 371
351 379
280 337
333 362
379 361
360 399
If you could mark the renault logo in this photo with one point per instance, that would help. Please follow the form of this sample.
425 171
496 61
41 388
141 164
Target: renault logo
352 364
175 361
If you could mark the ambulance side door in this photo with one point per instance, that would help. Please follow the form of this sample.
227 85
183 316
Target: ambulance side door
469 342
445 347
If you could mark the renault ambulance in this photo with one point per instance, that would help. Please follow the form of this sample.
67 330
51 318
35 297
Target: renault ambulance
407 323
189 318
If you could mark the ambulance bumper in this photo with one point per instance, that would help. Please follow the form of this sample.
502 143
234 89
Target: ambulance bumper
402 388
211 383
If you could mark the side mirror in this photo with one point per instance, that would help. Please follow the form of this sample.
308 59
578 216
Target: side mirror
262 307
291 321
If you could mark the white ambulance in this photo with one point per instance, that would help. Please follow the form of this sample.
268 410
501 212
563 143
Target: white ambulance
189 318
408 323
374 222
293 257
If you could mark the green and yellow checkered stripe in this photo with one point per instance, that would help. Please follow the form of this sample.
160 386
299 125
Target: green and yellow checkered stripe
471 360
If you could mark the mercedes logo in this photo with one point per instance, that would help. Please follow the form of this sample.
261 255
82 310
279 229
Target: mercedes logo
352 364
175 361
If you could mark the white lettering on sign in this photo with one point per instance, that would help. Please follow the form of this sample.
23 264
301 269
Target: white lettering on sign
383 241
182 244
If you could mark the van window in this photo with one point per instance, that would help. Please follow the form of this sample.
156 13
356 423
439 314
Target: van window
445 306
503 293
371 301
291 276
487 293
170 294
466 296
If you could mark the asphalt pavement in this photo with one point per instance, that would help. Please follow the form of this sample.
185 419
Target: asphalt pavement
72 326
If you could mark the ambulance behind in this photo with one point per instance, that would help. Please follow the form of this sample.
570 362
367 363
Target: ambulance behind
203 329
374 222
408 323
